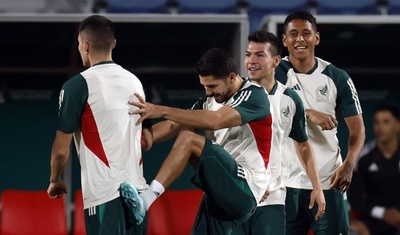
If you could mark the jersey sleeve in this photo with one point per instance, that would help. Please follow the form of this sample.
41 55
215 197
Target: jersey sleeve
72 102
252 103
347 96
299 129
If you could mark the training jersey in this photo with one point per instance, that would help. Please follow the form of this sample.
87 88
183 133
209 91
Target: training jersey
324 88
289 121
94 106
249 144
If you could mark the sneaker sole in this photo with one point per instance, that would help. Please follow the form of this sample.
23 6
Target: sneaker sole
133 201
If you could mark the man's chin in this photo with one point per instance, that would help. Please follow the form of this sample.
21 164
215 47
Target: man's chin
218 100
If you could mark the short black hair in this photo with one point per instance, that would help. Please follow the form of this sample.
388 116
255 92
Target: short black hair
394 110
216 62
302 15
263 36
99 30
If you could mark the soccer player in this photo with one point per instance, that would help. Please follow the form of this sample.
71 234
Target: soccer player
93 109
262 56
229 159
375 191
324 89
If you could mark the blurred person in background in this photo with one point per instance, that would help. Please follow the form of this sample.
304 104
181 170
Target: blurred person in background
375 192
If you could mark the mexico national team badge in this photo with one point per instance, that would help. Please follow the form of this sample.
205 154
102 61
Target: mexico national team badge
322 94
285 118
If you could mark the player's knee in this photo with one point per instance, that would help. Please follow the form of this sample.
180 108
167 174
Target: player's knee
190 139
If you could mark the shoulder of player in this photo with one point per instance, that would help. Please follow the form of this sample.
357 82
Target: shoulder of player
76 80
251 86
331 70
288 92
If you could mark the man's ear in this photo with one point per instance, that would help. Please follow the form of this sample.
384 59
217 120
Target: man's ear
232 77
115 43
277 60
284 40
317 38
86 46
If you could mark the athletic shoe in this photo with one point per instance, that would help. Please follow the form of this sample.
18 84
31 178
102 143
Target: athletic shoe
134 202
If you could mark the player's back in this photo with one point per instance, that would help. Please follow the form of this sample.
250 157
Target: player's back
111 140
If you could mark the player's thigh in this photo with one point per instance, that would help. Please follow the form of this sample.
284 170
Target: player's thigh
268 220
210 219
297 212
221 178
336 217
109 218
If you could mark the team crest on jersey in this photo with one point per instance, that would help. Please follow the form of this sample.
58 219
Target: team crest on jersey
322 93
285 119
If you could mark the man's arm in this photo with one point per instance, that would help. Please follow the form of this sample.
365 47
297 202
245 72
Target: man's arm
306 155
165 130
59 157
146 140
325 121
341 179
203 119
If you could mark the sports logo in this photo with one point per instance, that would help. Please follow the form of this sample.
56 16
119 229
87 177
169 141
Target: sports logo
296 87
322 94
285 119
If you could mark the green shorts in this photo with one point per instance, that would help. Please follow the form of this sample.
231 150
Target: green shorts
110 218
228 200
265 220
299 219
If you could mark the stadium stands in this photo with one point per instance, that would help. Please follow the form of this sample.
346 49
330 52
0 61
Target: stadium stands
207 6
347 7
393 6
23 6
257 9
134 6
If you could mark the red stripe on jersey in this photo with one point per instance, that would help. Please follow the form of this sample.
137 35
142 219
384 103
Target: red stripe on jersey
262 131
91 135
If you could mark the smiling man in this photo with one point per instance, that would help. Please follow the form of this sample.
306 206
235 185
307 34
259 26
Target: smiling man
229 159
323 89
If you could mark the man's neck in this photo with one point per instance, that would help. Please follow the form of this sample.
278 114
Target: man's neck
267 83
389 148
303 66
237 85
98 59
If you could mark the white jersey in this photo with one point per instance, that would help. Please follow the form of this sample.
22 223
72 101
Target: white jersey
288 122
249 143
93 106
325 88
